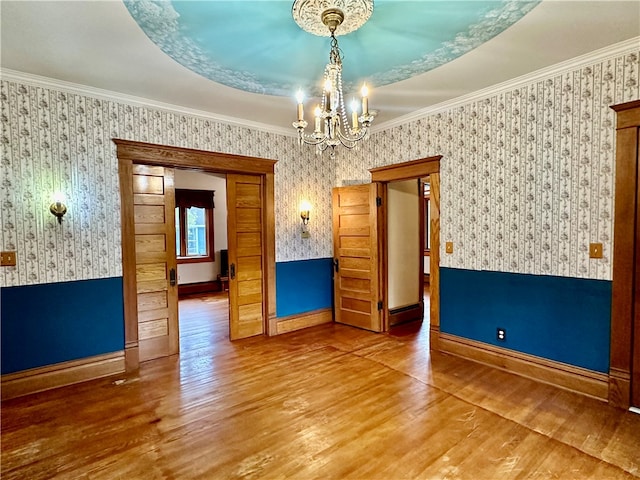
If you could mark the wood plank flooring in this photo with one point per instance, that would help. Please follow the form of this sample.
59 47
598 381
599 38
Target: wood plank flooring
327 402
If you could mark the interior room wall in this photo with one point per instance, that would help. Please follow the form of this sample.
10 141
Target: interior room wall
527 169
403 240
58 137
527 183
190 180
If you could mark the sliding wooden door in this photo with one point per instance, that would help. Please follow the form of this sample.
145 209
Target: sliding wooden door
155 250
245 215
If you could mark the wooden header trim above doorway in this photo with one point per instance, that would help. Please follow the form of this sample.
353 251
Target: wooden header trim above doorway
166 156
406 170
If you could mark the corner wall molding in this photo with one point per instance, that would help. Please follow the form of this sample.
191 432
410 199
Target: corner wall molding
61 374
303 320
78 89
627 46
569 377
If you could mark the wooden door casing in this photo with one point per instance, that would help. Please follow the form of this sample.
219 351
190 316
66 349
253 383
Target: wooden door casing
357 244
624 365
155 253
246 263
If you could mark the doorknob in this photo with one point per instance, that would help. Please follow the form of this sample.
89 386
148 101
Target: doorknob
232 271
336 264
172 277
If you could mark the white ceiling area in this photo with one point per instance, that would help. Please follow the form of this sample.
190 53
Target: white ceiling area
98 44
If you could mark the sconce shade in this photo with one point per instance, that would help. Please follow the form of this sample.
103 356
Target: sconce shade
58 209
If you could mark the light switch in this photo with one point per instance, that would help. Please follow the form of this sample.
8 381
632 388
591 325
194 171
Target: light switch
8 259
448 247
595 250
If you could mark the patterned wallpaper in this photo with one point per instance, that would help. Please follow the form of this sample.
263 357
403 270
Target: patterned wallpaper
54 140
527 175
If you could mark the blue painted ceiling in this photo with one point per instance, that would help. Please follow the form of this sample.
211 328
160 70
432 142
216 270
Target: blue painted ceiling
256 46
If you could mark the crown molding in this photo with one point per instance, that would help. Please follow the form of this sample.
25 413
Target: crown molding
75 88
627 46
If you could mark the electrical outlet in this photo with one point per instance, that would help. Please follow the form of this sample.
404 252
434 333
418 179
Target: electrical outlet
501 334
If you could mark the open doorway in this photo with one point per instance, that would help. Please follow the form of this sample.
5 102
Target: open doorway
149 277
202 260
415 170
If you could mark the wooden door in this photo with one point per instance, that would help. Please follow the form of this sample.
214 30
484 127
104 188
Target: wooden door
357 247
155 247
246 263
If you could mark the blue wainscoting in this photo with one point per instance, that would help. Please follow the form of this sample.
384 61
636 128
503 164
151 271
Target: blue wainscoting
57 322
563 319
303 286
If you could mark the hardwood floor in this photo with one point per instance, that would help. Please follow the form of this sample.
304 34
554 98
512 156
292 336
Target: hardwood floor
327 402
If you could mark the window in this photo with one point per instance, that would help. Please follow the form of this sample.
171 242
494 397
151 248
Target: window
194 226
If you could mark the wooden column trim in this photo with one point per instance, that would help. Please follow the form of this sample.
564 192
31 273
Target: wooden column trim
626 206
129 287
434 260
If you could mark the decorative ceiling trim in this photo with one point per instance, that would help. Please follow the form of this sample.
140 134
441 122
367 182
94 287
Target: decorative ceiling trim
627 46
76 88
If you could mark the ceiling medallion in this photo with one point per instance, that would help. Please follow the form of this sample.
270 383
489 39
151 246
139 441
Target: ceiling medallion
331 123
308 14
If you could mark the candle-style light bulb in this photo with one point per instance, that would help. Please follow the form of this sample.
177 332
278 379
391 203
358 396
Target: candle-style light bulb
354 114
317 112
365 100
300 99
327 91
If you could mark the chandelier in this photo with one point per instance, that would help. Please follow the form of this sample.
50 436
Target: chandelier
331 123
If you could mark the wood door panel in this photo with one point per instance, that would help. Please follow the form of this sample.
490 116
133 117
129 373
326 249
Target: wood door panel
153 348
249 219
154 328
357 287
148 199
249 268
152 286
150 243
356 319
151 271
153 315
250 320
357 198
148 184
355 242
362 306
246 230
150 257
355 221
152 229
152 301
353 263
149 213
356 274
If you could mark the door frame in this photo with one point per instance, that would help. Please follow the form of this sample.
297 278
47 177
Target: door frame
130 152
624 365
417 169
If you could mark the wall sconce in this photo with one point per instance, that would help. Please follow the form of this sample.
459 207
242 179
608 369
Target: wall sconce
305 208
58 208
